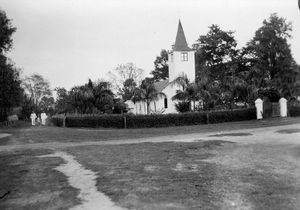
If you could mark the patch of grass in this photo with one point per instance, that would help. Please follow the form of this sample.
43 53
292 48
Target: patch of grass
186 175
155 175
289 131
29 182
269 190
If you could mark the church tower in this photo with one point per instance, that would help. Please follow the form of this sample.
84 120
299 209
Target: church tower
181 58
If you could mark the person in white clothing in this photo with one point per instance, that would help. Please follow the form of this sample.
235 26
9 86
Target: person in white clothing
33 117
43 117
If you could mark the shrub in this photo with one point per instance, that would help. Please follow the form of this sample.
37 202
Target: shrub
182 106
156 120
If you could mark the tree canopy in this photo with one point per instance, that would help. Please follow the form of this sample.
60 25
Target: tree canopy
270 53
92 97
123 73
161 68
6 32
10 83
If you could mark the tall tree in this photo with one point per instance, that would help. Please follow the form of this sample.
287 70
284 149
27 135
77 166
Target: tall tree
216 51
128 89
123 72
216 56
6 32
273 64
161 67
37 87
103 96
10 88
62 103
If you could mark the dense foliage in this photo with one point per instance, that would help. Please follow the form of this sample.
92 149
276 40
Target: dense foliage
10 83
294 111
92 97
161 68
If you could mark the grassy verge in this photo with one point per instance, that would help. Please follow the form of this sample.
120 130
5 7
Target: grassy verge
199 175
28 182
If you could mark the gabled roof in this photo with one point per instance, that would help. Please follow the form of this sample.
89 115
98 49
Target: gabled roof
159 86
180 42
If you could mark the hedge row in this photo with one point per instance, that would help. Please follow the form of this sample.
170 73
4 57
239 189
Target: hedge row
149 121
294 111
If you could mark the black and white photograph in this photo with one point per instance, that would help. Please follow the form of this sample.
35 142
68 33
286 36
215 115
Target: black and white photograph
149 105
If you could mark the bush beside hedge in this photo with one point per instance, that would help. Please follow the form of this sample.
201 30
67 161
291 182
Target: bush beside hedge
149 121
294 111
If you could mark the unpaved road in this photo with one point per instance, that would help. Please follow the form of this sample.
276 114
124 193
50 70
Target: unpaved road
271 135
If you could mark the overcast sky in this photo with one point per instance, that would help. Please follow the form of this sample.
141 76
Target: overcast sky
69 41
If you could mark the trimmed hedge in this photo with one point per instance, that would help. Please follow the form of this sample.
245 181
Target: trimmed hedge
165 120
95 121
232 115
150 121
294 111
57 120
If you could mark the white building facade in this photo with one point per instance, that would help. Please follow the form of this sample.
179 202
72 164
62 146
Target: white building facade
181 60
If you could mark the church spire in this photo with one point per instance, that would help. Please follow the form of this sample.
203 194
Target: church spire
180 43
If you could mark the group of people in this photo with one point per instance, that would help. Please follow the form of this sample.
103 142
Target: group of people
39 120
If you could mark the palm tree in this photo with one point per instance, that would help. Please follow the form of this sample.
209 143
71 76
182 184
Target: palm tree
147 93
190 91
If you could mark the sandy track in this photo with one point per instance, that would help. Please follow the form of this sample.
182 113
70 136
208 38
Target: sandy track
257 135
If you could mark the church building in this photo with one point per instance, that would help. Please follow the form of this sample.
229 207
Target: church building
181 60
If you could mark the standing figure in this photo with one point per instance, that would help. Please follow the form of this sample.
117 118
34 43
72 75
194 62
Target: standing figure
43 117
33 117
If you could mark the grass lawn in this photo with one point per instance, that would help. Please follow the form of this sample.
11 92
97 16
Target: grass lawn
200 175
215 174
29 182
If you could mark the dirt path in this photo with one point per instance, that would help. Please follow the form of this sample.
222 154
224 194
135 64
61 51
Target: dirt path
84 180
3 135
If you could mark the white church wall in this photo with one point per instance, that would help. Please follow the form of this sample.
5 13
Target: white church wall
177 66
170 91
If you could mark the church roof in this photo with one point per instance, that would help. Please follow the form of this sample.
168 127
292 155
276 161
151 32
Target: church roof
180 43
159 86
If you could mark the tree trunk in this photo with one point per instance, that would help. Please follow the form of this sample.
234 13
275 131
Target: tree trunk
194 105
148 107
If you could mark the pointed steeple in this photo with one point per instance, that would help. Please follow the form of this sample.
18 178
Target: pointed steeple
180 43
